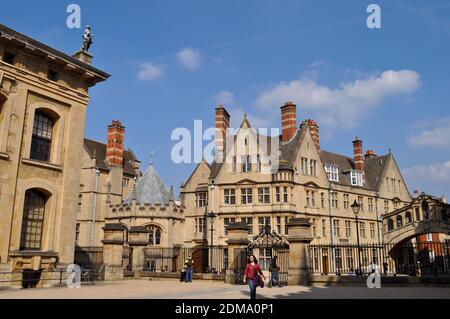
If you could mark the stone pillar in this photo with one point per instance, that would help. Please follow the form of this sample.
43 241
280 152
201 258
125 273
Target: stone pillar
237 243
113 251
138 240
299 237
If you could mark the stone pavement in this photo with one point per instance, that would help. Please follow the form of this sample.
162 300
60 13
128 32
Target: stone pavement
145 289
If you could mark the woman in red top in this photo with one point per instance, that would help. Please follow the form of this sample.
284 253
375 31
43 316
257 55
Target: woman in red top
251 272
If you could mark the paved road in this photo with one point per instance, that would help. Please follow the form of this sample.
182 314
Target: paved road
145 289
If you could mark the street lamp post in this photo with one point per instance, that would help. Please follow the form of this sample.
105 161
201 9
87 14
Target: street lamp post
356 208
212 217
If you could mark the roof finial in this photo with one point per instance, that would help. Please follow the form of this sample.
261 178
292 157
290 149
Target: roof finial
171 196
152 153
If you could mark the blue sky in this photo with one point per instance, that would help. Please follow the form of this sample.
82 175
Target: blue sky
172 61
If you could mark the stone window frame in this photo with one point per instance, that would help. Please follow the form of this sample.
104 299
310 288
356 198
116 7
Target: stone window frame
49 239
58 130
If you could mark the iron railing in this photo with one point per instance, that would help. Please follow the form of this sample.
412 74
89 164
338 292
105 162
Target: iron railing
414 259
43 278
172 259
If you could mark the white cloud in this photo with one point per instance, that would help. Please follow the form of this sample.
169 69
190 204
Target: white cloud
343 106
434 133
432 178
189 58
149 71
225 98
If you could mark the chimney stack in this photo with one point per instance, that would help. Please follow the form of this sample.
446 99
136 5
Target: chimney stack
115 146
314 129
370 154
288 121
222 126
358 154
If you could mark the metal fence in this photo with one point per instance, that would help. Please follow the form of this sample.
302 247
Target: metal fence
172 259
89 257
46 278
418 259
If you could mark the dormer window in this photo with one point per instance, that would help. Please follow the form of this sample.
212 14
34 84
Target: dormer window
356 178
332 171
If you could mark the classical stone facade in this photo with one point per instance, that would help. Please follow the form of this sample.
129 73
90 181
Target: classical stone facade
43 99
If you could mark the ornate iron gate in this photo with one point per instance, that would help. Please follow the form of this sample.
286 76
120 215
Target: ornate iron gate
267 244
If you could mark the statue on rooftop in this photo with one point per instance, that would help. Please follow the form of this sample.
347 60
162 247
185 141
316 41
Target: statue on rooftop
87 38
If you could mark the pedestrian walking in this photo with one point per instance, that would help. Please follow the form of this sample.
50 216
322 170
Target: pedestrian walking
189 265
274 272
252 276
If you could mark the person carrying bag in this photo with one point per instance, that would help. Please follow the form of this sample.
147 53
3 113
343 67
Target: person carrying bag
253 276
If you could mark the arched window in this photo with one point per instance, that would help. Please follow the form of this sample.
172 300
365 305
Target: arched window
417 214
33 220
408 217
426 210
390 224
154 236
42 137
399 221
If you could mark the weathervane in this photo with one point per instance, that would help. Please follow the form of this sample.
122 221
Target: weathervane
87 38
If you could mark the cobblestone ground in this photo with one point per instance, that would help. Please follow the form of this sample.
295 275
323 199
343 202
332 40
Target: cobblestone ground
145 289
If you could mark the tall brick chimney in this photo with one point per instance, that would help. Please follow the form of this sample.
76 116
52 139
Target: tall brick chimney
288 121
115 146
314 129
358 154
222 125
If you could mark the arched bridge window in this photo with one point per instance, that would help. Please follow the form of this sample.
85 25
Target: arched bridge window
408 217
33 220
390 224
399 221
42 137
154 236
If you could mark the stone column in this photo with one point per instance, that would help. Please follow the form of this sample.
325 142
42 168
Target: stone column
113 251
299 237
237 242
138 240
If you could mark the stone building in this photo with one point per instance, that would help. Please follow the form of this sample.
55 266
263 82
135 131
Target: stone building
107 170
43 98
309 182
150 218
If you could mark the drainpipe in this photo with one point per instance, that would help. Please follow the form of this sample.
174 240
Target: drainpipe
94 217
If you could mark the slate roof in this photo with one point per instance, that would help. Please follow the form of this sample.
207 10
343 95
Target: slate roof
150 189
99 150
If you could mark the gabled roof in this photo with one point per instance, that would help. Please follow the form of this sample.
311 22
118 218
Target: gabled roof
374 167
98 149
150 189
